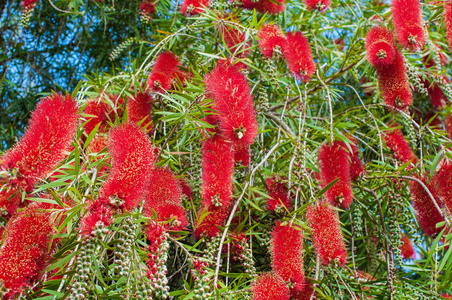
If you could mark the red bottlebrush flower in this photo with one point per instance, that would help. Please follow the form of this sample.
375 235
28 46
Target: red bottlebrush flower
271 38
396 142
242 154
320 5
437 97
356 166
299 56
326 234
163 72
448 125
217 172
98 112
9 201
445 295
185 187
98 216
99 143
394 85
407 19
234 103
234 40
29 4
194 7
380 47
265 6
448 21
334 163
48 136
139 109
270 286
23 254
407 247
164 196
427 214
183 77
287 252
443 183
279 194
215 217
133 158
146 9
302 291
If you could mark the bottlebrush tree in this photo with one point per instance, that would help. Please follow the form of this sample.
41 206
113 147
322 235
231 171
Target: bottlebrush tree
239 150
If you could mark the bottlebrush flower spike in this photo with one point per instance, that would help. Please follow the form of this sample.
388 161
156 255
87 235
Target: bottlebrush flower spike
396 142
320 5
163 72
234 103
139 109
265 6
99 216
394 85
48 136
356 166
234 40
99 114
29 4
427 214
270 286
146 9
407 247
271 38
448 125
164 196
10 198
334 163
214 219
299 56
23 254
133 158
185 187
242 155
380 47
437 97
279 194
443 182
287 252
194 7
448 21
407 19
326 234
216 188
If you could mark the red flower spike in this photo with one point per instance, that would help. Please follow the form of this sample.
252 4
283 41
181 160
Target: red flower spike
29 4
270 286
214 219
271 37
139 109
10 199
394 85
242 155
194 7
437 97
99 215
233 101
427 214
302 291
265 6
146 9
448 125
356 166
234 40
326 234
279 194
217 172
320 5
45 142
448 21
99 143
443 182
133 158
407 19
380 47
186 188
164 197
287 252
163 72
23 254
407 247
334 163
299 56
98 109
396 142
